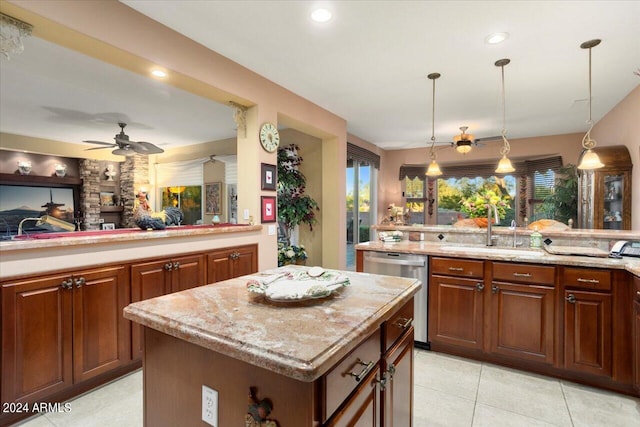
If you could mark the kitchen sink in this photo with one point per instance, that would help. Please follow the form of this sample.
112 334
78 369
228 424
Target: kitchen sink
523 252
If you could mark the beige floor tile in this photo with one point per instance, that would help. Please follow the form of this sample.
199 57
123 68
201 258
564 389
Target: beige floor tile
39 421
488 416
433 408
522 393
593 407
449 374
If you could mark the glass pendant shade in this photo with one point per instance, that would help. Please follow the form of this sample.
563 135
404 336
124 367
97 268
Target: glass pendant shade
590 160
505 166
434 169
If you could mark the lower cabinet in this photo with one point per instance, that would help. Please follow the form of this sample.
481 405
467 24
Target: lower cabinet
636 334
153 278
397 389
62 329
233 262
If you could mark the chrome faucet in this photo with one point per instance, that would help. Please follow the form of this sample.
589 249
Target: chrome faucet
495 212
514 227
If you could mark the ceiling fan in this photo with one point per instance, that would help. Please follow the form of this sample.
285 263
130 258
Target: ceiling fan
125 146
464 142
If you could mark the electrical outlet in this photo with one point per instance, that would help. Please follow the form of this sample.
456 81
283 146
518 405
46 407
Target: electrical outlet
209 406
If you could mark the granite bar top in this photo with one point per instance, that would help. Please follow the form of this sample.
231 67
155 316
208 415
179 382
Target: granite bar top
301 340
77 238
538 256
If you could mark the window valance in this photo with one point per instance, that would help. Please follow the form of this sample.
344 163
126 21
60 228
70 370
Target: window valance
355 152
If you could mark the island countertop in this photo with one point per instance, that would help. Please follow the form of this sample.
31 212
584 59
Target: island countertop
299 340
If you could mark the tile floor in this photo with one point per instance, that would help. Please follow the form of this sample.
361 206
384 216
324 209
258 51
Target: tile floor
449 391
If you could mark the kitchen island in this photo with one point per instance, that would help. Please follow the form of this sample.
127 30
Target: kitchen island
319 362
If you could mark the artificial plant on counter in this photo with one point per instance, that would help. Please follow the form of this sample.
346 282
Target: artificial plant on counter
294 206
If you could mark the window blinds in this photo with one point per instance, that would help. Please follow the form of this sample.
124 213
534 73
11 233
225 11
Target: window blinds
363 155
179 173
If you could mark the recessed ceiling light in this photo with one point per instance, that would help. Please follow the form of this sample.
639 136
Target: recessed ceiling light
496 38
321 15
159 73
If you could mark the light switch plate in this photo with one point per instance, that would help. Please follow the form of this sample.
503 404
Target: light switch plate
245 214
271 230
209 406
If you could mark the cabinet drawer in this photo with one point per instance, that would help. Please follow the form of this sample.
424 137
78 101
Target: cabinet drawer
397 325
341 380
457 267
524 273
587 278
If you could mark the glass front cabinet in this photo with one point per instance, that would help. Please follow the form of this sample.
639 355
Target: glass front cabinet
605 193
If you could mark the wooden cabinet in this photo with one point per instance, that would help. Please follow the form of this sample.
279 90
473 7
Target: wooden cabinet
397 389
62 329
636 333
362 409
522 306
153 278
233 262
587 321
456 307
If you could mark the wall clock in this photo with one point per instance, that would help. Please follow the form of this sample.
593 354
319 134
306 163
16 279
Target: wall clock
269 137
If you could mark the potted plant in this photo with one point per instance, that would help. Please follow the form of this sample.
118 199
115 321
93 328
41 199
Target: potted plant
562 204
476 205
294 206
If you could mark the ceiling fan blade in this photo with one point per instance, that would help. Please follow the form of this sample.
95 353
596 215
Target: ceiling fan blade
147 148
111 144
489 138
99 148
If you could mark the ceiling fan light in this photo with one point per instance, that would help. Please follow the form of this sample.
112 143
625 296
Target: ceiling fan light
590 160
504 165
463 146
123 152
434 169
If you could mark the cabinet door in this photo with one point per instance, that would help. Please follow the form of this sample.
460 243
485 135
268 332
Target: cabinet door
522 321
246 261
101 335
148 280
36 338
188 272
362 409
398 389
636 344
456 311
587 332
231 262
612 201
219 266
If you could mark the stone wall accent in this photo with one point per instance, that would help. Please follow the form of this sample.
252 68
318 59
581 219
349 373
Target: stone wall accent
134 174
90 194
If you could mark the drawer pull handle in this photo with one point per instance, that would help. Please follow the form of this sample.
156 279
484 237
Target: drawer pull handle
571 298
365 370
479 287
522 274
580 279
403 322
456 269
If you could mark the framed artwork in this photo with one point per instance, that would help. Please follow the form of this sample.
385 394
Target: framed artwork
213 198
269 176
108 226
106 199
268 209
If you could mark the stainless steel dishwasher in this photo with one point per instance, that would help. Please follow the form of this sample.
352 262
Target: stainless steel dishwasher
411 266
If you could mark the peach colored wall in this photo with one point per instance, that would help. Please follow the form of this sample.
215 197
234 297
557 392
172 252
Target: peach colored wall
568 146
620 127
121 27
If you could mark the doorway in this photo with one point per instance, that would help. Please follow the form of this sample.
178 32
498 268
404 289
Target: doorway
361 202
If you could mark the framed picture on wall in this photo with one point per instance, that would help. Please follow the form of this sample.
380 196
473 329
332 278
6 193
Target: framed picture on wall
269 176
268 209
108 226
213 198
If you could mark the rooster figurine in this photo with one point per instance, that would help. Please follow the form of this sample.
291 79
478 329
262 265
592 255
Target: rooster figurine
146 218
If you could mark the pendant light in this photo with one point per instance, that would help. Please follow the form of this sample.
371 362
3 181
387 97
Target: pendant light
589 159
434 169
504 166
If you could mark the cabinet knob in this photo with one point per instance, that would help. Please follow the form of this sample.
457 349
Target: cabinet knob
79 281
494 289
391 370
367 367
168 266
479 287
66 284
176 265
234 255
571 298
383 382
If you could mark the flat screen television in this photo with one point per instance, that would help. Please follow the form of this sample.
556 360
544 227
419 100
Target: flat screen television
18 202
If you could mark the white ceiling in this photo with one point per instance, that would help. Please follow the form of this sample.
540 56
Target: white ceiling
368 65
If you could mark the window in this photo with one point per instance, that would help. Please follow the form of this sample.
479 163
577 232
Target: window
543 184
186 198
180 185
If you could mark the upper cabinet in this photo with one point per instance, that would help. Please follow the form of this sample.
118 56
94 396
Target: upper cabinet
605 193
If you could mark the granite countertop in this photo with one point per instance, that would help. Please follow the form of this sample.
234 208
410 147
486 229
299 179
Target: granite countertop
538 256
76 238
226 318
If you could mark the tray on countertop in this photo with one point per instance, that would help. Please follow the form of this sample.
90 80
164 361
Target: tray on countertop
576 250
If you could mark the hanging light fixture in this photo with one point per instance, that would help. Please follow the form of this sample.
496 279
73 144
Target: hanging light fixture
12 31
434 169
504 166
589 158
462 142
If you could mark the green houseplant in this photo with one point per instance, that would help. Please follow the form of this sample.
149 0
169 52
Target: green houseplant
294 206
562 204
